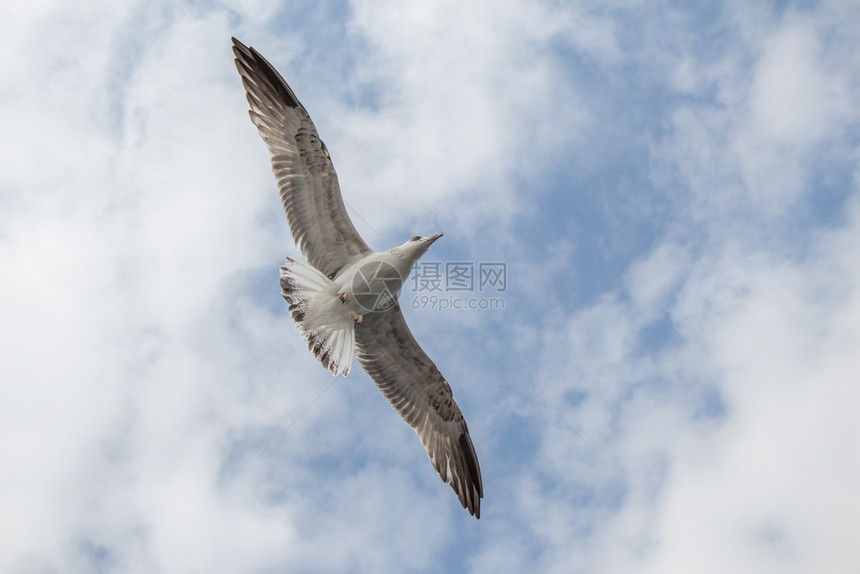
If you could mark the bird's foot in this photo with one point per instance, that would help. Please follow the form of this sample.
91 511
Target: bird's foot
342 297
358 319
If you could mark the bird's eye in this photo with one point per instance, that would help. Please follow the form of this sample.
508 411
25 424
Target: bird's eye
416 238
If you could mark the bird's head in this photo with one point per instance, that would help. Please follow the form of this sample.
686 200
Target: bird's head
417 246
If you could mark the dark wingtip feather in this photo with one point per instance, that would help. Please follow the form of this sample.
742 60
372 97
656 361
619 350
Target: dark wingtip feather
250 59
473 481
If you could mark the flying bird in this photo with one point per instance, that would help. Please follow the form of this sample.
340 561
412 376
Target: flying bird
344 299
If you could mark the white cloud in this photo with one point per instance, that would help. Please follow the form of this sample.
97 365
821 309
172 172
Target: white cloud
728 442
468 95
148 360
771 490
783 95
762 483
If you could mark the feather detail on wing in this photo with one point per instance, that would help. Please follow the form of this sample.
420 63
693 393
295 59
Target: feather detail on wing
306 179
416 389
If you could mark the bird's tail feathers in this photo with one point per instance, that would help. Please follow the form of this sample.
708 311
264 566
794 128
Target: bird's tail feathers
331 340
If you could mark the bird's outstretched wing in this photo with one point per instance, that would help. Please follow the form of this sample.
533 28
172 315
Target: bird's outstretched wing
416 389
303 170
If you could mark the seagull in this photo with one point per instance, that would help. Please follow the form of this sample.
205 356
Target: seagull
344 299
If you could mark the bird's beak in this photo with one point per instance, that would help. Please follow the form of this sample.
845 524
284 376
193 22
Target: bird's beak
433 238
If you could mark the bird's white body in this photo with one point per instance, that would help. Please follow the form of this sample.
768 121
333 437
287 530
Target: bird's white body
379 275
327 311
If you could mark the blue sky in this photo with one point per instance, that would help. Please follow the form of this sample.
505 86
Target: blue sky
671 383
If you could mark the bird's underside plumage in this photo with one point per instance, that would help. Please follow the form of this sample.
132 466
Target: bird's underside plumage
323 232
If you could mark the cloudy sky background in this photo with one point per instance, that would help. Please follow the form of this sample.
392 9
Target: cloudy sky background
672 385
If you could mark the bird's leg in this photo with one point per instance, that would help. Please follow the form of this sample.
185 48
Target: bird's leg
358 319
342 297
